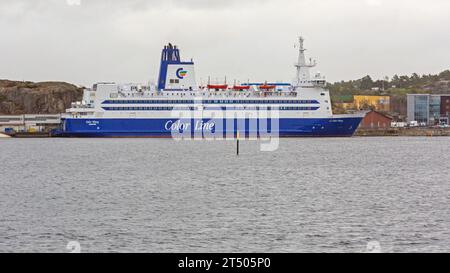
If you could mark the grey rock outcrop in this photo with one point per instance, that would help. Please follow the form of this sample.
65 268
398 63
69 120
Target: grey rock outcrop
18 98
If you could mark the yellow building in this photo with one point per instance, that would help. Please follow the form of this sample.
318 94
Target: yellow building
378 103
345 105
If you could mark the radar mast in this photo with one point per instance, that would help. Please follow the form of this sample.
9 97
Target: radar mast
303 67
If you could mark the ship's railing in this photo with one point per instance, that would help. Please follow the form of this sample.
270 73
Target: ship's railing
225 94
319 82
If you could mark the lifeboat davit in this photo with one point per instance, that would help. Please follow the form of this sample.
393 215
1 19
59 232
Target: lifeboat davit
217 86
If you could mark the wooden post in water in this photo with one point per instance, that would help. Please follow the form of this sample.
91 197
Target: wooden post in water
237 143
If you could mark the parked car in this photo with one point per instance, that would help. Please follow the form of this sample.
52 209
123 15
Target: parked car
413 124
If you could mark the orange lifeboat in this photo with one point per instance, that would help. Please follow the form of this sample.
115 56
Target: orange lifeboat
267 87
241 87
217 86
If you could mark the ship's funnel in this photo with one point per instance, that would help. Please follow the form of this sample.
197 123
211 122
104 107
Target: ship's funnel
173 73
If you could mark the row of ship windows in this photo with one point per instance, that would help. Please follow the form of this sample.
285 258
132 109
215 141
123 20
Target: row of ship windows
208 108
211 102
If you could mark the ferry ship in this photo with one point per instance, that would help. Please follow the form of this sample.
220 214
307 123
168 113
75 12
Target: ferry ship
176 104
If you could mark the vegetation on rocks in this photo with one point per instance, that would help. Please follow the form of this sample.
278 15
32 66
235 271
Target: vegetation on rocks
395 86
18 98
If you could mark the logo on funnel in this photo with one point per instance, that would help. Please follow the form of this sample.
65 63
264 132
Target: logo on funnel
181 73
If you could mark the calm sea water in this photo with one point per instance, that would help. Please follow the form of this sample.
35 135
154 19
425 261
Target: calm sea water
150 195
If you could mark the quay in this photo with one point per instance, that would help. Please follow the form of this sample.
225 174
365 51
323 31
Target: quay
410 132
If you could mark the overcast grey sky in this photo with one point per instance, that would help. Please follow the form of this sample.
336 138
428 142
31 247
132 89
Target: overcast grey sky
115 40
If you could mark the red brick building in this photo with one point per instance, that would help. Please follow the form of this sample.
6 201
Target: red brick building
376 120
445 106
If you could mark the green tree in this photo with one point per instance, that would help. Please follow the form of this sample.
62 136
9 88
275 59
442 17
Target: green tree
445 75
366 83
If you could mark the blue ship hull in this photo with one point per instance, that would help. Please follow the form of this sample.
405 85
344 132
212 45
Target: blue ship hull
327 127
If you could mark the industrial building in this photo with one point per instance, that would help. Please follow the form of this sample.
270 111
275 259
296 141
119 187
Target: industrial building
29 123
378 103
361 102
428 109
